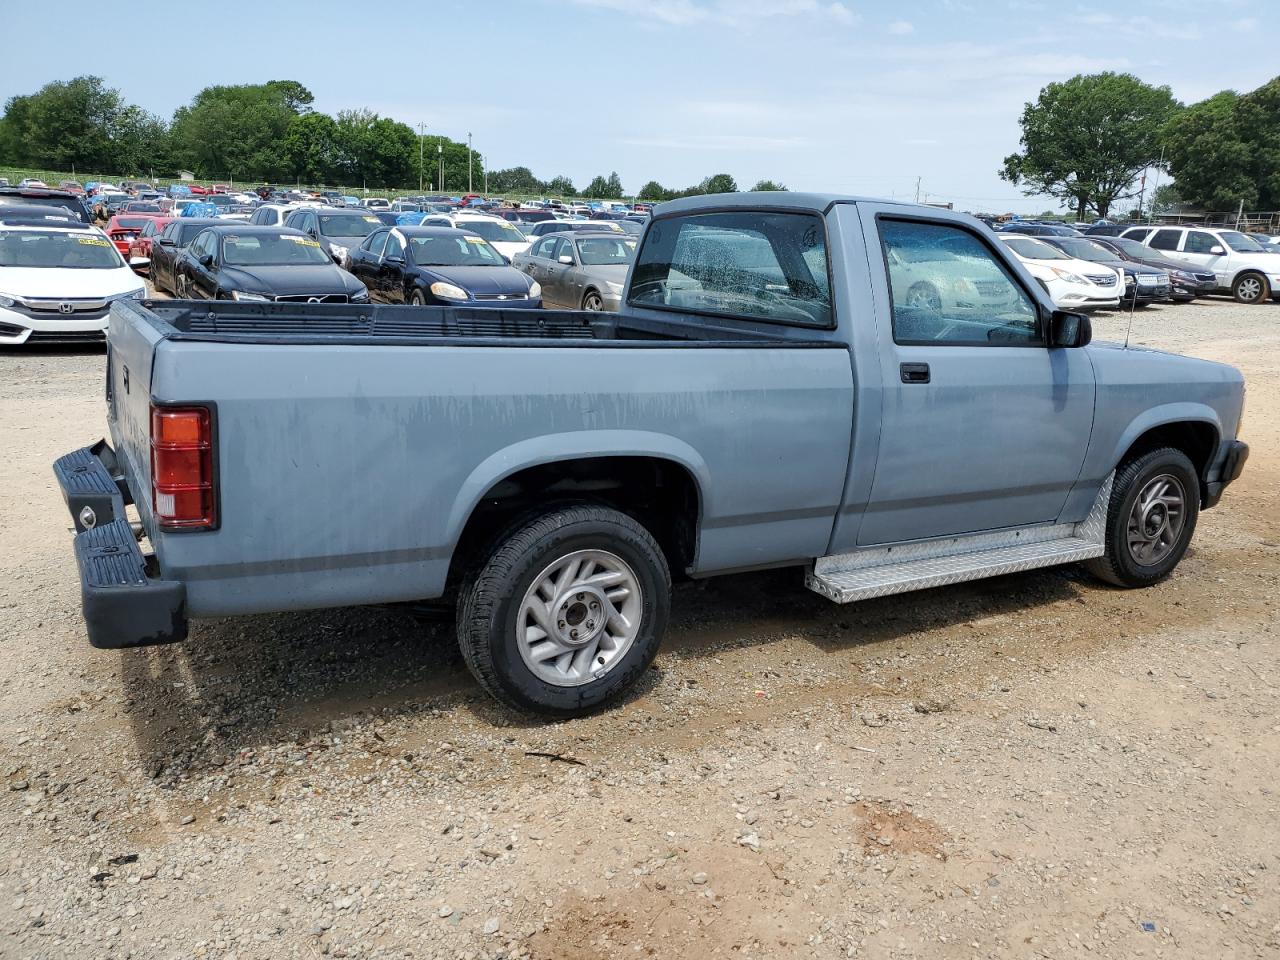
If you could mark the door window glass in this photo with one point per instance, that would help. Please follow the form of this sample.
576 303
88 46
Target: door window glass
1200 242
394 247
376 242
1165 240
947 287
753 264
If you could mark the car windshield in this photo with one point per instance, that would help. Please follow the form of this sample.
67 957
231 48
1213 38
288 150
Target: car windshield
270 250
599 251
348 225
495 231
57 248
1240 242
1031 249
1130 247
1086 250
454 251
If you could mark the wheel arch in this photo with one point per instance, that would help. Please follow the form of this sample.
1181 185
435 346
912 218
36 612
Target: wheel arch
659 480
1190 427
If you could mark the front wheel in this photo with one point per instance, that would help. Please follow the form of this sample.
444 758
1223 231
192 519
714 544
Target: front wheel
1155 503
567 613
592 301
416 299
1250 288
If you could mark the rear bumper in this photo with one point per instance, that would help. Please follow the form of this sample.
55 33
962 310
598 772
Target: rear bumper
123 605
1232 467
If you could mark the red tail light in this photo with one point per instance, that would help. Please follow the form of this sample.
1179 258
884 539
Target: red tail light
182 492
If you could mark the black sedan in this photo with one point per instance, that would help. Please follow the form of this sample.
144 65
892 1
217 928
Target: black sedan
240 261
1187 280
1142 285
168 245
440 266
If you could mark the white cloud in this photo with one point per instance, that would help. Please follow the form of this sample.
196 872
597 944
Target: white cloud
900 28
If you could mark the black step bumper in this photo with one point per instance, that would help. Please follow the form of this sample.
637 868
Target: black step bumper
123 606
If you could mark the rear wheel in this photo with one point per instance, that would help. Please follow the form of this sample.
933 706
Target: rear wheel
1250 288
592 301
567 613
1155 503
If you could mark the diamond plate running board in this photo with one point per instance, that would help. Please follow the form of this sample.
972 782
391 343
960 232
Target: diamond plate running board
881 571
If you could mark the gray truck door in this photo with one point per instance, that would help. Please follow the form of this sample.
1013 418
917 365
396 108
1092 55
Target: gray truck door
983 425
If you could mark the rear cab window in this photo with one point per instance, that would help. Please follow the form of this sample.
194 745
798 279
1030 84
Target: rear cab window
753 265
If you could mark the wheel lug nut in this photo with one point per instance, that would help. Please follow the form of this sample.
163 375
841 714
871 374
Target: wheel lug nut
581 596
561 624
573 634
591 624
595 606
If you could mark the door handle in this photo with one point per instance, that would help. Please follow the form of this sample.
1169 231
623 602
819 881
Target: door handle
914 372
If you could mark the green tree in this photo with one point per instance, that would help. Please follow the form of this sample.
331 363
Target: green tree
598 187
140 142
1085 140
613 187
239 130
64 125
455 165
768 186
652 190
1165 198
719 183
515 180
311 146
561 186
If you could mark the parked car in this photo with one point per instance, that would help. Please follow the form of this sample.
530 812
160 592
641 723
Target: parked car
439 266
36 215
1072 284
123 229
376 203
138 255
140 206
1241 266
32 183
71 186
271 214
58 283
19 196
249 263
549 469
579 270
1142 285
1040 229
337 228
1106 229
168 247
502 235
1186 281
560 226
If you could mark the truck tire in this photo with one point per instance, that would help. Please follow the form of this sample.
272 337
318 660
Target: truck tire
1250 288
1155 502
567 612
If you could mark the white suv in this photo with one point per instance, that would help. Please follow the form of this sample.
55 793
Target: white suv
1243 268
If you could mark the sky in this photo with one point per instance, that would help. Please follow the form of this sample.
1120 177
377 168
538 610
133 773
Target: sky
847 96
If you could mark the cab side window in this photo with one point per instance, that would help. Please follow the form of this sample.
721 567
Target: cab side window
1165 240
376 242
949 288
1200 242
394 247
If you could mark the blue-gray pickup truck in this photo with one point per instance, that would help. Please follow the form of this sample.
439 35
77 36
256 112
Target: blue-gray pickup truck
875 393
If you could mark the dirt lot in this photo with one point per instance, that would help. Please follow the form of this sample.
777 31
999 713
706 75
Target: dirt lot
1034 766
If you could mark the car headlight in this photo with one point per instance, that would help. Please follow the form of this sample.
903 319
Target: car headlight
249 297
1068 276
338 251
535 289
613 287
447 291
360 296
139 294
6 300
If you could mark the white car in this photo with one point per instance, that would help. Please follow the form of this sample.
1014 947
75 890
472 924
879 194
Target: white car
503 236
1240 264
57 284
1072 284
272 214
376 203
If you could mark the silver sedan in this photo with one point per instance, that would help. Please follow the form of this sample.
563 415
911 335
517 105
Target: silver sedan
579 271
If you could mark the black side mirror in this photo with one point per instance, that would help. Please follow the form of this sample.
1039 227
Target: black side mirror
1068 329
206 259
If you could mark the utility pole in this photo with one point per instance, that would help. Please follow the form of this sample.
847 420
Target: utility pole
918 179
440 154
421 128
469 164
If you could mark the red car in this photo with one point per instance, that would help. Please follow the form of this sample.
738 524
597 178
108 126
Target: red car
196 189
140 246
124 228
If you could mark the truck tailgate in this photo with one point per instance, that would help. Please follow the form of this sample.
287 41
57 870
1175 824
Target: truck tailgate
131 346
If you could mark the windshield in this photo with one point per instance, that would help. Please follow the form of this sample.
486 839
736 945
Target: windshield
1240 242
1035 249
271 250
599 251
495 231
1131 247
61 248
460 251
1087 250
142 207
348 225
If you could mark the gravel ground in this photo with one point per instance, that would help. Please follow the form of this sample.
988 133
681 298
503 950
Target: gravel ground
1032 766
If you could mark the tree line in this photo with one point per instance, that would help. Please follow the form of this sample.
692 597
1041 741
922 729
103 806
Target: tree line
1090 140
267 132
